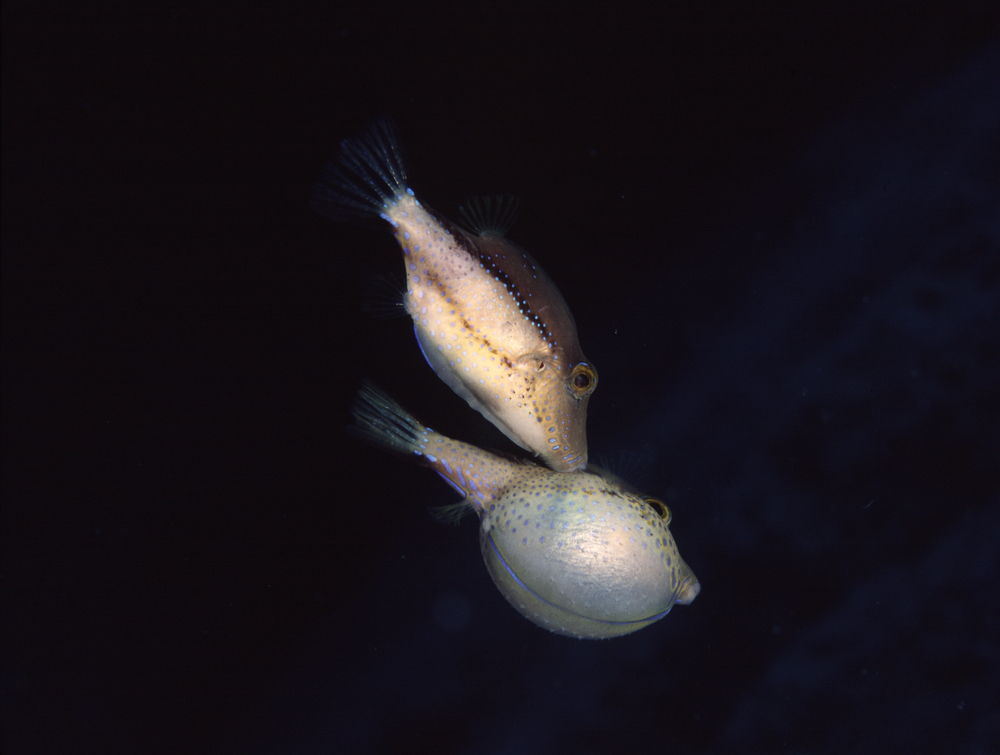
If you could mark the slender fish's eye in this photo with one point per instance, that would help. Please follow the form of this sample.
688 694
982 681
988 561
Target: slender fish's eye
582 380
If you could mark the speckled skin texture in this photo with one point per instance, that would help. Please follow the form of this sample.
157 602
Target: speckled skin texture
581 558
490 322
577 553
796 335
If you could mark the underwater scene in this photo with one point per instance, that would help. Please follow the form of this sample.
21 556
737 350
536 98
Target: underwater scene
505 380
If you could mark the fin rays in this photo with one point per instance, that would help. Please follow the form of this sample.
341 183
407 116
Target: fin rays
490 216
384 422
366 176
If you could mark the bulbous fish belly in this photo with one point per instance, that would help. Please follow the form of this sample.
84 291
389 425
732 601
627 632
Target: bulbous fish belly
603 566
579 553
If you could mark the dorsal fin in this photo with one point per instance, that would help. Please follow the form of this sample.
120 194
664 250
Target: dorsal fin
490 216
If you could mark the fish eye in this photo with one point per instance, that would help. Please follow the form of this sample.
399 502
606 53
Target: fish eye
659 507
582 380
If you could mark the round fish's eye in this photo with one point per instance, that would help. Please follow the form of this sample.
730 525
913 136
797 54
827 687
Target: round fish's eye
582 380
659 507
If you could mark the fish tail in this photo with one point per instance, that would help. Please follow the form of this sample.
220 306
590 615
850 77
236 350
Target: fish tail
366 177
475 474
385 423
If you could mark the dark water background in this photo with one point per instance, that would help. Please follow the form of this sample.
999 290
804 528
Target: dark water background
779 233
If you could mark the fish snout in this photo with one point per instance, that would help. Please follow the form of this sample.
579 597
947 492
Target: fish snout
689 591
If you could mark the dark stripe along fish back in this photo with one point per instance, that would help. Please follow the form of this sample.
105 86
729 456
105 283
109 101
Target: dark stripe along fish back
489 321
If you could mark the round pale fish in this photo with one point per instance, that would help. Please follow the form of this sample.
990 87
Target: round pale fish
489 321
580 554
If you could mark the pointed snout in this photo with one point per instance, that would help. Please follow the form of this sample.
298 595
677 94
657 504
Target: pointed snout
689 591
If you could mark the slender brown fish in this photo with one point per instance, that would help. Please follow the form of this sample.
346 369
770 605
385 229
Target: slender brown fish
488 319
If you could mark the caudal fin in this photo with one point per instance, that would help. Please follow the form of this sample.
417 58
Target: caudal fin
365 178
385 423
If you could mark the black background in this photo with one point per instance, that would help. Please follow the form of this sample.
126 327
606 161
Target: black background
777 230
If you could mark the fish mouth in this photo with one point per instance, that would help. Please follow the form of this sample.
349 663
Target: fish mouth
689 591
574 462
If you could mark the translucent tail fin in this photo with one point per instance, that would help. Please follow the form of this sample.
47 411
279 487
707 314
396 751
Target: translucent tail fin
366 176
382 421
385 423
